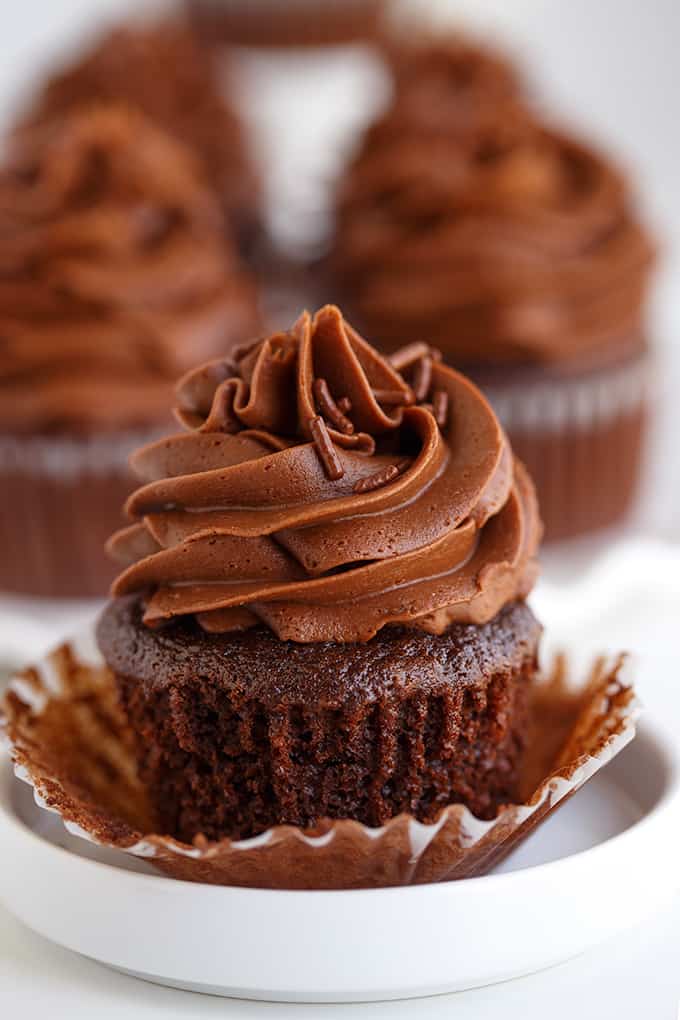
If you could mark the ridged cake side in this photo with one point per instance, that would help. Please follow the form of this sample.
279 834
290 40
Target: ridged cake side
241 732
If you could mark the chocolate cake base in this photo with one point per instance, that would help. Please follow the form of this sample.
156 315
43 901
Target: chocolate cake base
239 732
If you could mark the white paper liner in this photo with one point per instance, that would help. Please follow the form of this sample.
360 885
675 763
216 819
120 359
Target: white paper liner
580 402
65 458
69 741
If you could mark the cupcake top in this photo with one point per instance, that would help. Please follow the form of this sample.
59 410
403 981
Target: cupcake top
114 273
162 70
496 237
326 492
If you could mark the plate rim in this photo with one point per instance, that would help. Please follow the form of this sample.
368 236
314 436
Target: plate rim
647 731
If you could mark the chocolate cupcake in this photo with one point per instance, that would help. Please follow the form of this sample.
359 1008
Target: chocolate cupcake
162 70
114 277
295 23
322 613
514 249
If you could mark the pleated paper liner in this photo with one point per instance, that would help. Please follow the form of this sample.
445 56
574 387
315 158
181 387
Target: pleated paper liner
582 439
50 485
70 741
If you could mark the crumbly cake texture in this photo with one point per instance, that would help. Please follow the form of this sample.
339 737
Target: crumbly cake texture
239 732
69 739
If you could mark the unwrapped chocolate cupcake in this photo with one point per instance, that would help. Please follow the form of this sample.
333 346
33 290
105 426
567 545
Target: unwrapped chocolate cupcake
161 69
322 610
318 670
515 249
115 276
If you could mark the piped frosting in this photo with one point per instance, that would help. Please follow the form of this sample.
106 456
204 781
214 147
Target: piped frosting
327 492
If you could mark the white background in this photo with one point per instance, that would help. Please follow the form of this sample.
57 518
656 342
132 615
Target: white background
612 68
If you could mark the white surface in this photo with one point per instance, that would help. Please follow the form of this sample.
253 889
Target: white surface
632 976
304 154
545 907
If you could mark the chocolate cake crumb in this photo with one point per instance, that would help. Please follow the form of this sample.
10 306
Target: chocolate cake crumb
241 731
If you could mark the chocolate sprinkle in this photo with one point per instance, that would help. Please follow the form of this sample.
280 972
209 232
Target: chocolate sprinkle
407 356
440 407
382 477
394 398
422 377
330 409
325 449
376 481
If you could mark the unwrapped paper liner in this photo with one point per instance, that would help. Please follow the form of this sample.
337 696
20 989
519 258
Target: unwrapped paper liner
69 739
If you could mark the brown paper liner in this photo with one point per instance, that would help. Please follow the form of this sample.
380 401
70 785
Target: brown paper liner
61 499
582 441
69 739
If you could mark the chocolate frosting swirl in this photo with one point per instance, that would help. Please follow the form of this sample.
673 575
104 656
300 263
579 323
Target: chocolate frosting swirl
161 69
449 86
326 494
494 237
114 274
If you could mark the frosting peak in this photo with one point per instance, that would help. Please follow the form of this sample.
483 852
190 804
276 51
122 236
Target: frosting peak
326 492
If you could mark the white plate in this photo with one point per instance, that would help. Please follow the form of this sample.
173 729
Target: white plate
603 862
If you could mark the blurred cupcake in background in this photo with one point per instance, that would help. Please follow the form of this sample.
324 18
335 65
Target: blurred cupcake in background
115 276
452 102
163 70
515 249
294 23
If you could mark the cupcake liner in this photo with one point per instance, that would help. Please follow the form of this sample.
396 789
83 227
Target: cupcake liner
581 439
63 457
61 500
554 403
69 739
